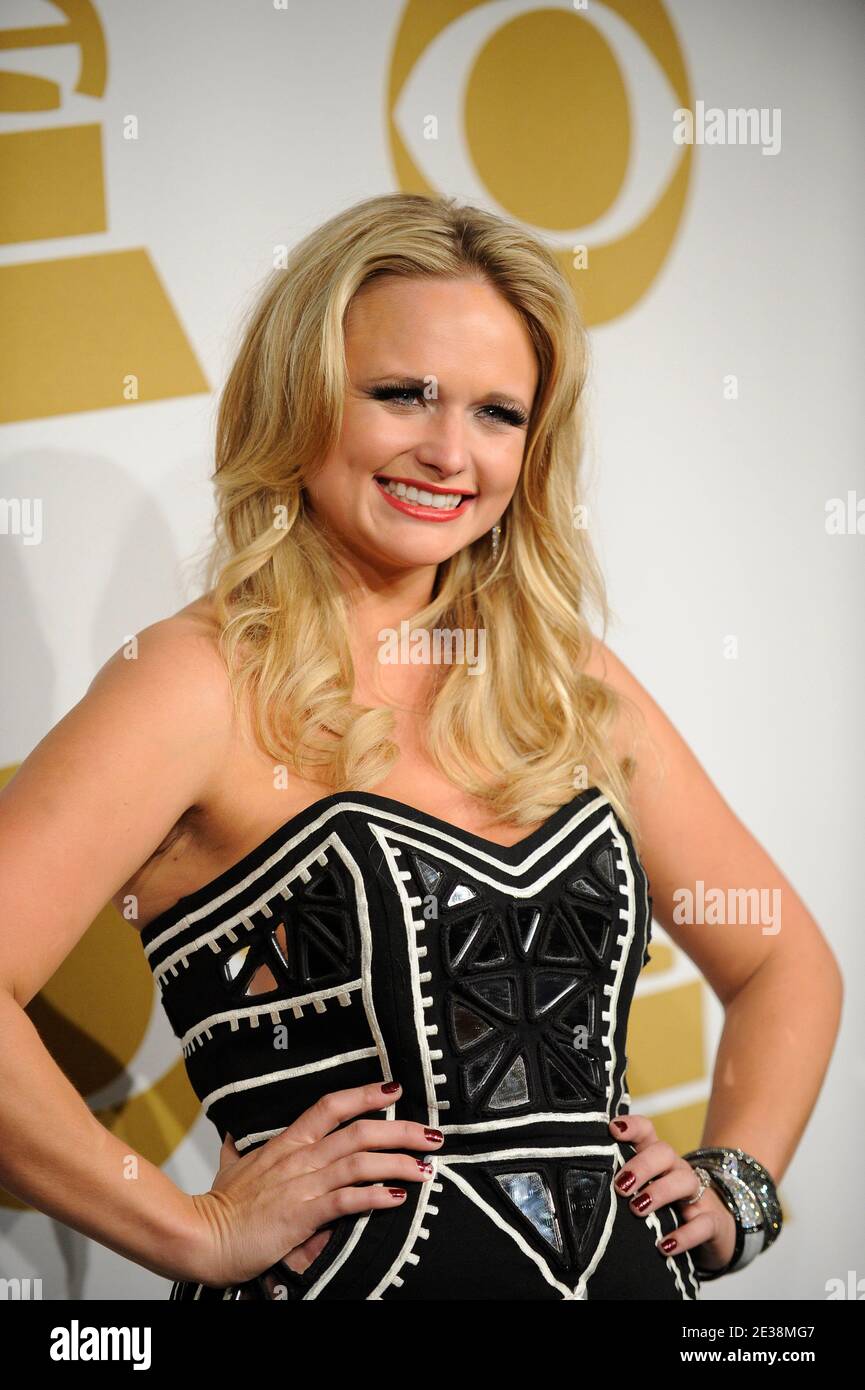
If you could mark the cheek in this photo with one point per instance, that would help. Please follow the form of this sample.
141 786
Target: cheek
499 481
334 485
370 437
342 498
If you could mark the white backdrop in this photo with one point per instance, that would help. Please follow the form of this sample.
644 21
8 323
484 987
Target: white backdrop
254 124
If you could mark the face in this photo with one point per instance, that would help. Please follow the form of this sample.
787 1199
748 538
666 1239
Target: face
442 375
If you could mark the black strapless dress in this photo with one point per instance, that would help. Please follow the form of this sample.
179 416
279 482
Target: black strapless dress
365 941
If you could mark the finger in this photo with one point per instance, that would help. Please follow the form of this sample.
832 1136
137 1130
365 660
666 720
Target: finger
649 1162
370 1135
634 1129
680 1184
327 1113
701 1229
302 1256
346 1201
228 1153
709 1203
360 1167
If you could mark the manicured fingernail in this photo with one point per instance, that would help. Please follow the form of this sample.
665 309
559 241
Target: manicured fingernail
424 1166
625 1180
396 1191
435 1136
620 1125
390 1087
667 1245
640 1203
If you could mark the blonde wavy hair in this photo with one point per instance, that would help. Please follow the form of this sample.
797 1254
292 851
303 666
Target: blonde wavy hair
530 732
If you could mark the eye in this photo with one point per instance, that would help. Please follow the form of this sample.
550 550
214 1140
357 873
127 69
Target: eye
405 395
510 415
394 393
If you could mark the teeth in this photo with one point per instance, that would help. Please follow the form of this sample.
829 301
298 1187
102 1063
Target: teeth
444 501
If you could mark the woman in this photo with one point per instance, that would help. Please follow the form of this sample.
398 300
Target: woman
404 1005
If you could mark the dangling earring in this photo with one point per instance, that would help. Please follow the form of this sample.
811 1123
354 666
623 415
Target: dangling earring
495 533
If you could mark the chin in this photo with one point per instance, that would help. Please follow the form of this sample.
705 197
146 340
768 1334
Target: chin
419 556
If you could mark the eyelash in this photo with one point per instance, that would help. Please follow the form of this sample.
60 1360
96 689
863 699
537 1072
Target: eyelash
507 414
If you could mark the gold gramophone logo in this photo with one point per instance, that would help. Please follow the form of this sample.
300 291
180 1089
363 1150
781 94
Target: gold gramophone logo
81 332
536 109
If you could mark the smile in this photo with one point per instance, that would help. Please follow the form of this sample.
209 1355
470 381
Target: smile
423 502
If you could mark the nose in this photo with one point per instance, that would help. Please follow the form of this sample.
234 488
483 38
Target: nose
444 445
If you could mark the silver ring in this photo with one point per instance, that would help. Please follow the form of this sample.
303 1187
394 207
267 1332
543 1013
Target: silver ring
705 1181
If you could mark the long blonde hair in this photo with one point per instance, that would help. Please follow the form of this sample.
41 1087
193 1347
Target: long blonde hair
531 731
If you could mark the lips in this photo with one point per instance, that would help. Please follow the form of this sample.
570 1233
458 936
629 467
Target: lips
384 479
418 509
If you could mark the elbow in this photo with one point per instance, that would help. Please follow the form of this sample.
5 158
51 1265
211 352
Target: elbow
826 974
838 980
831 970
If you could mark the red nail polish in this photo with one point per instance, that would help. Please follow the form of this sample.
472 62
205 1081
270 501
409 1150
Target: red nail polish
423 1165
390 1086
625 1180
620 1125
667 1245
640 1203
396 1191
435 1136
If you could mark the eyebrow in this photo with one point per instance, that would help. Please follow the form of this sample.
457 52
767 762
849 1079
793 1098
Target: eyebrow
492 397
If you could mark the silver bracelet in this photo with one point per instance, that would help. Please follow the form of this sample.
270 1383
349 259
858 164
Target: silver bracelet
749 1194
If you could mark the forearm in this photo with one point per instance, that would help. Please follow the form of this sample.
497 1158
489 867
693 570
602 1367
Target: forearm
778 1036
56 1156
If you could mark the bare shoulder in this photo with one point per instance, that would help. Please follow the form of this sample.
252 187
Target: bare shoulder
633 733
99 793
185 642
170 670
666 768
691 841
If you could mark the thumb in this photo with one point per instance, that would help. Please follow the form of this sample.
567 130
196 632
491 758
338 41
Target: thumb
228 1152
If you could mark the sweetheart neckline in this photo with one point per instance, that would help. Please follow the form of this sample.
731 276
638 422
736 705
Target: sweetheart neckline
226 878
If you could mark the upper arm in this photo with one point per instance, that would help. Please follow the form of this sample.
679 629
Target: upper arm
102 789
691 841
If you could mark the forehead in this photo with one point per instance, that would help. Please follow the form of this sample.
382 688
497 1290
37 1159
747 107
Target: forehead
422 320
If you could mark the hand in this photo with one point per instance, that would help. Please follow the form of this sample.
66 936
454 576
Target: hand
275 1202
302 1256
706 1226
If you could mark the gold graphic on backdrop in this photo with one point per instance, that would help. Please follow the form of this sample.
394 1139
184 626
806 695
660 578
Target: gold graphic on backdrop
54 183
85 332
77 328
518 134
92 1016
24 91
547 127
